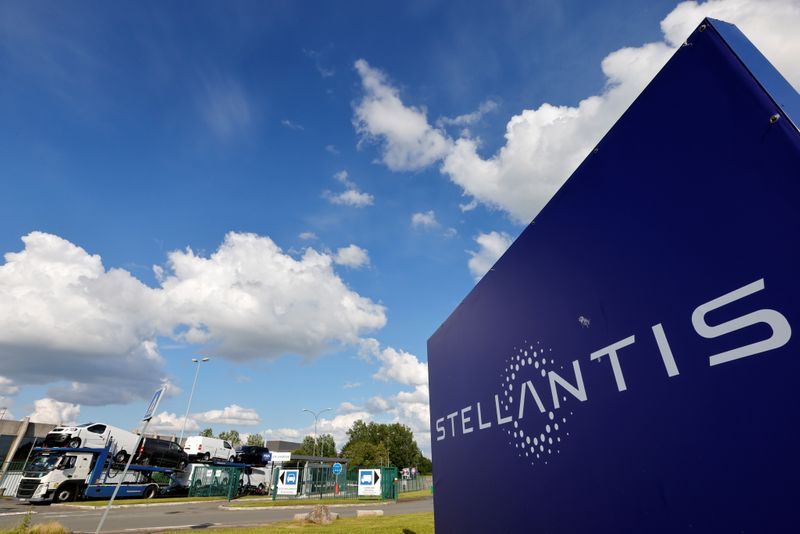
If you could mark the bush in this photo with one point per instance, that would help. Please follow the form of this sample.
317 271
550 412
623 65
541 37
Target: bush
25 527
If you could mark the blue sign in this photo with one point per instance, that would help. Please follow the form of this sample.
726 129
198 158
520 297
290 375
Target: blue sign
630 361
366 477
291 478
337 468
266 457
153 406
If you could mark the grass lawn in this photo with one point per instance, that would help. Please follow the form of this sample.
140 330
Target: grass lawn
415 494
394 524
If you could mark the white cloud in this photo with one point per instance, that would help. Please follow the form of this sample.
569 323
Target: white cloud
491 247
225 106
247 300
351 196
468 118
396 365
308 236
377 405
7 387
425 219
101 324
55 412
250 300
351 385
348 407
292 125
450 233
319 57
170 422
351 256
332 150
408 141
230 415
543 146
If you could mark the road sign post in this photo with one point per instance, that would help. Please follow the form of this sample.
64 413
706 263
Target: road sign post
148 415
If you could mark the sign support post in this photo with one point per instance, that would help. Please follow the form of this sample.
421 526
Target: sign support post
151 410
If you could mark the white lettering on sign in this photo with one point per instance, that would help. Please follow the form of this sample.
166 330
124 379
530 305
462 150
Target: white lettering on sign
781 333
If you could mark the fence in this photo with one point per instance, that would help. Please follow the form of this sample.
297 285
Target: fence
215 481
9 482
317 481
414 484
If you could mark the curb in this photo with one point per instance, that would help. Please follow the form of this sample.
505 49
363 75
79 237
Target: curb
298 506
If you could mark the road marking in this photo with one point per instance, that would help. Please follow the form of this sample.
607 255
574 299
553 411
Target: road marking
15 513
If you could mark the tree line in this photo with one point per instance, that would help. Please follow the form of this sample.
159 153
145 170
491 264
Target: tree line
368 444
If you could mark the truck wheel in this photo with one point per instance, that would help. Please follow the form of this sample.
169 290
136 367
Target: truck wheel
150 492
121 457
181 465
64 493
207 457
74 443
261 489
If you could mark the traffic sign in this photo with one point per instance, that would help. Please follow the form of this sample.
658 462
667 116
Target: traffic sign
287 481
281 456
369 482
337 468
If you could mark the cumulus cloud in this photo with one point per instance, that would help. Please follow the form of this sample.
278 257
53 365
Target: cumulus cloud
351 256
408 141
396 365
170 422
250 300
52 411
544 145
230 415
64 317
351 196
490 247
92 333
425 219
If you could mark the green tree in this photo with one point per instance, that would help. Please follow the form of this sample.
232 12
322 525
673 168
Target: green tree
231 436
255 439
207 433
325 446
397 442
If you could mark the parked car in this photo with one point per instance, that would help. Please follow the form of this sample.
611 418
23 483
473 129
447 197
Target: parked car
207 449
94 435
161 453
252 455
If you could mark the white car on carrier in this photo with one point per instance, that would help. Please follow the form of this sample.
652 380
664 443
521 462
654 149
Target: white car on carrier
95 435
207 449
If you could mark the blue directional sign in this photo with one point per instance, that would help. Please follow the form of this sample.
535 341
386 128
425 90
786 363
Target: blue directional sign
337 468
631 361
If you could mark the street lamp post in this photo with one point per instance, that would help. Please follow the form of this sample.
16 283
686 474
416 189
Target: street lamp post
191 394
316 416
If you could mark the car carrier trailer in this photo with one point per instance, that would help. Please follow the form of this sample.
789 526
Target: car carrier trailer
66 474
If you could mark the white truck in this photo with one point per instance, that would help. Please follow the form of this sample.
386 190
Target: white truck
95 435
64 474
207 449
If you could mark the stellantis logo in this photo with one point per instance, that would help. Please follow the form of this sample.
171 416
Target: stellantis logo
511 404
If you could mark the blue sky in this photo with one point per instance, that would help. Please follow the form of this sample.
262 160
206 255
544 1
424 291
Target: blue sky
198 150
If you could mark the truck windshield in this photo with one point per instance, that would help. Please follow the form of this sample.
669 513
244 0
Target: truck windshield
44 463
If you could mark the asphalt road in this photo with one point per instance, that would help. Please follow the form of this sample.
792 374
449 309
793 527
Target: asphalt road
195 516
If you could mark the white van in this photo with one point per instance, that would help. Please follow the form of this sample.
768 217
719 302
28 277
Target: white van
95 436
256 480
206 449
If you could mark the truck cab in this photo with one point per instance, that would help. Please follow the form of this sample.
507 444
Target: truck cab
56 476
